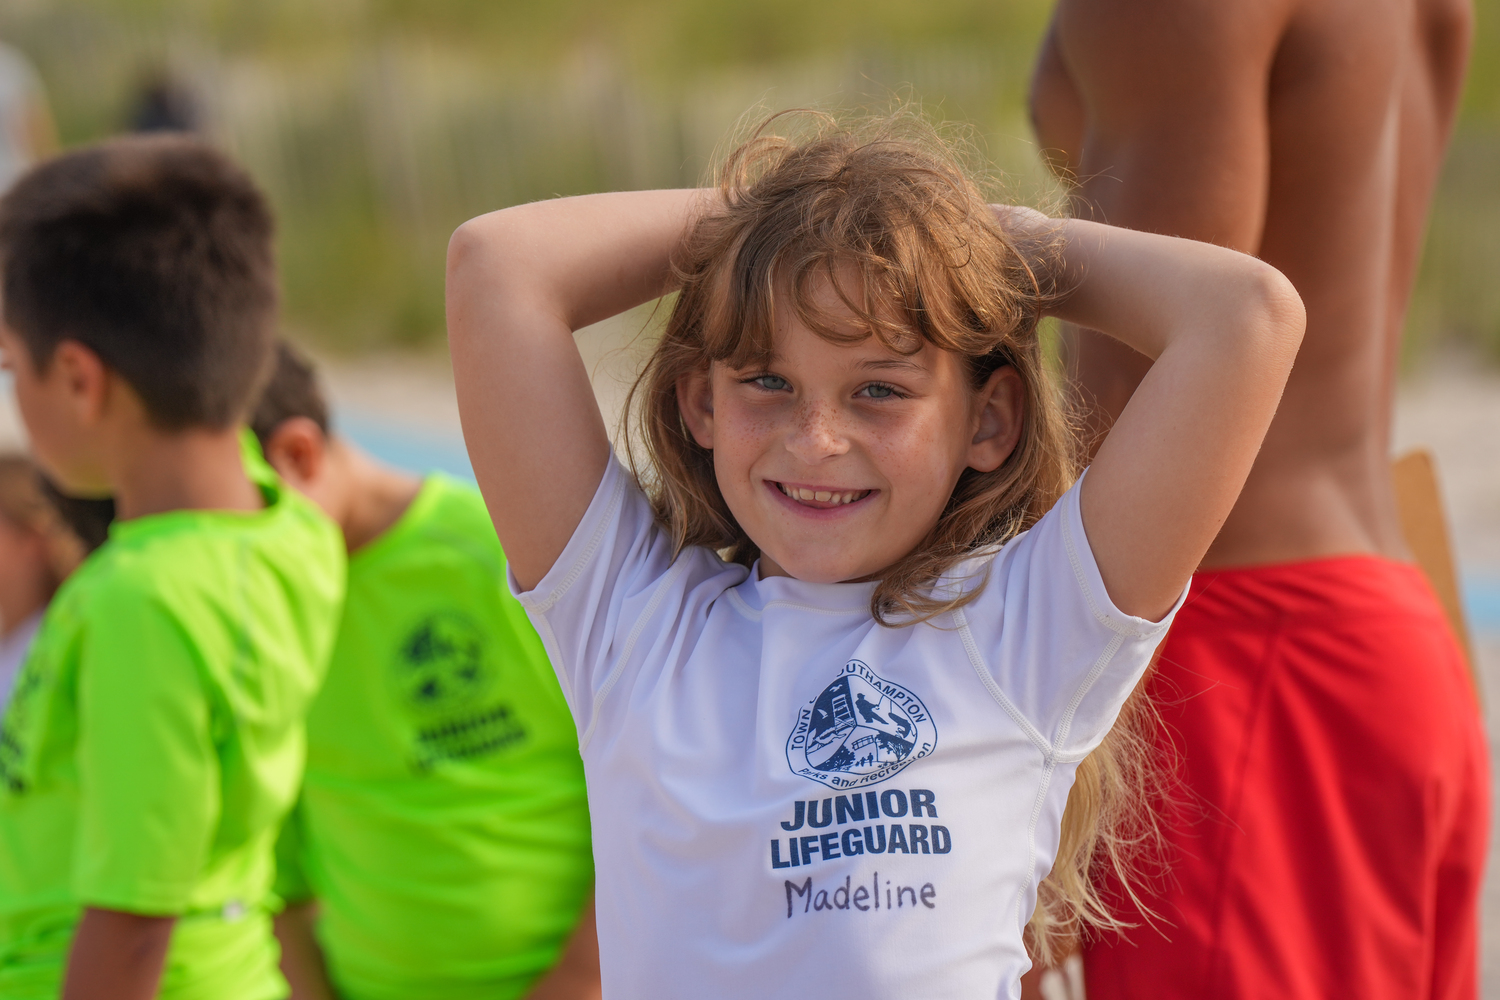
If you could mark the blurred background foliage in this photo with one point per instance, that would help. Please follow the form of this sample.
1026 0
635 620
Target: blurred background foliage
379 125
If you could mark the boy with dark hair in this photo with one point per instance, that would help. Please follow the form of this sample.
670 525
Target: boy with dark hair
155 739
442 838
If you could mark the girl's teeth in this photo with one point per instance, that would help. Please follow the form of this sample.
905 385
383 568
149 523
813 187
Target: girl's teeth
820 496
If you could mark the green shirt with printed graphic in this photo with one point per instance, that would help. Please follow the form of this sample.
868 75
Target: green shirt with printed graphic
155 742
443 824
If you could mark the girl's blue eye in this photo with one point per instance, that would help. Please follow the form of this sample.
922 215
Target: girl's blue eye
876 390
772 383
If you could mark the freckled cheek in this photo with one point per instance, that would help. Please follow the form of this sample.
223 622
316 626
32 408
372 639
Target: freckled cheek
917 457
744 433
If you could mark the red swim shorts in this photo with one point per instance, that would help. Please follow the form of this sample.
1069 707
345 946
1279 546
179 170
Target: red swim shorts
1326 836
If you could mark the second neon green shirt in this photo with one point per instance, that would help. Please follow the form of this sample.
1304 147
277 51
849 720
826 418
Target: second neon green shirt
443 824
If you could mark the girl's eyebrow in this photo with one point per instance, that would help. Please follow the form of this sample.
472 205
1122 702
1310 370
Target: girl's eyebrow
894 364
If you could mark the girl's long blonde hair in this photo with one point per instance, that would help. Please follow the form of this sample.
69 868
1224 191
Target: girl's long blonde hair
23 504
888 200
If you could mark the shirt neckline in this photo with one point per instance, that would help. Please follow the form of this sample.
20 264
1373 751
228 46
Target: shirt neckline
169 521
264 478
412 518
757 593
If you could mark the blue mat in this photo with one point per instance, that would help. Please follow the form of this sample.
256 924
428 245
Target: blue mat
413 450
1482 601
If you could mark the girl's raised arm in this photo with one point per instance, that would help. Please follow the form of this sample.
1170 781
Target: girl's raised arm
1223 329
520 282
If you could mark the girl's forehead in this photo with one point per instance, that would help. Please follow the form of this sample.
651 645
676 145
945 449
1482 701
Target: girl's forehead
833 311
795 344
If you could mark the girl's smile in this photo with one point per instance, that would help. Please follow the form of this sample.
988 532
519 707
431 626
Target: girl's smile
819 498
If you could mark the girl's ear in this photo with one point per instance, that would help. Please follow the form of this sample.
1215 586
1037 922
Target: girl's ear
1000 412
695 401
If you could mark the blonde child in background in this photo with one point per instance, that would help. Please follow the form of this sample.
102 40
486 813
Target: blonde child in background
37 552
836 651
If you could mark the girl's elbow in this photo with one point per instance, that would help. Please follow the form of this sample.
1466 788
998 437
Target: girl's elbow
1278 310
469 242
480 259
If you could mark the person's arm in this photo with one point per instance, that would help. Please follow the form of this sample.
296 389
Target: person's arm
301 957
116 956
520 282
1223 330
1158 109
576 974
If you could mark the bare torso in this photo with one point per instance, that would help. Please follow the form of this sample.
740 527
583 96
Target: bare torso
1330 181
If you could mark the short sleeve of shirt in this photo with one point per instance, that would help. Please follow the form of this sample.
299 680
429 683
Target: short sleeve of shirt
1047 634
601 585
148 772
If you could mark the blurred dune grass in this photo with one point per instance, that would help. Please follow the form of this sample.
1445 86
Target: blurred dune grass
379 126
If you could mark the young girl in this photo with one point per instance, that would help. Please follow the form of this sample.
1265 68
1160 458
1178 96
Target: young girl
37 551
836 654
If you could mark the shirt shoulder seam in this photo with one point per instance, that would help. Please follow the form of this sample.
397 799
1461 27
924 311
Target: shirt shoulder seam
1049 753
1097 671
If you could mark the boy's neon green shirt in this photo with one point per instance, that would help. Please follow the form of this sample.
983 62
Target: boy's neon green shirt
443 824
155 741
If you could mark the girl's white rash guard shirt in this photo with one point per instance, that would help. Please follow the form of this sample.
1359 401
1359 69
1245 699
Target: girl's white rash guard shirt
790 799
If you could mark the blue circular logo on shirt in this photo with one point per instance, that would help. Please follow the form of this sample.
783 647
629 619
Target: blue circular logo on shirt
861 730
442 664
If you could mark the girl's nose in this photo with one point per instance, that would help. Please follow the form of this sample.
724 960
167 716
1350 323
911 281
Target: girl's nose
816 433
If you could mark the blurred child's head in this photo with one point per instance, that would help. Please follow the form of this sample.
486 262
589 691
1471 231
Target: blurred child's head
37 550
136 273
291 422
850 384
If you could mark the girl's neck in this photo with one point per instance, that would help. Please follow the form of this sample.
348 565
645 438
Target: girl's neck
769 567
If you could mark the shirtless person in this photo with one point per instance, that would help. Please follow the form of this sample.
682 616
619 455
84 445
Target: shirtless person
1328 836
